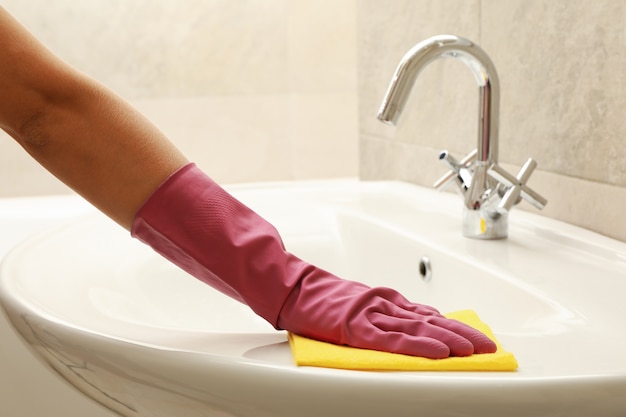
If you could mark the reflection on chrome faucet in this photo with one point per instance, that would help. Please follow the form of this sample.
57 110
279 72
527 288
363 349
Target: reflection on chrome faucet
489 191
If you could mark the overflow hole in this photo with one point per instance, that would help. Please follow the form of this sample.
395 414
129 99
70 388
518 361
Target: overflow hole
425 268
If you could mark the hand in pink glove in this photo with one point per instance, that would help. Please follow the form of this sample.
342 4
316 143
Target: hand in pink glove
197 225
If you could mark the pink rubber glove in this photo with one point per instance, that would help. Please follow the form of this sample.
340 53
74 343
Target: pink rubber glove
194 223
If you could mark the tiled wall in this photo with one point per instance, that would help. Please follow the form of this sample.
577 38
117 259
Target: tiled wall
250 90
562 69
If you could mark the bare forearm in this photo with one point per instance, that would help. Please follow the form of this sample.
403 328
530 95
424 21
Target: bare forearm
88 137
102 148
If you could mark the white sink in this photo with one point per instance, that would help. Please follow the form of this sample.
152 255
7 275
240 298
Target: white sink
143 338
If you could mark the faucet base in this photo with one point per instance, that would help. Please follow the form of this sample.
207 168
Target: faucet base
479 225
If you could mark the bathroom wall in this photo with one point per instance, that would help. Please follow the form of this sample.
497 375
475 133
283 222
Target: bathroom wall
250 90
562 72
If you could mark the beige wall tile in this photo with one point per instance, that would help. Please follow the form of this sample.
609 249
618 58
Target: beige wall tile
159 48
561 66
323 134
235 139
383 159
322 39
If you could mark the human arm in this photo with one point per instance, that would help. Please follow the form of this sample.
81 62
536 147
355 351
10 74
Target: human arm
80 131
96 143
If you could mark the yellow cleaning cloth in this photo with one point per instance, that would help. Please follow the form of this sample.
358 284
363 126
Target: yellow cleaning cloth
308 352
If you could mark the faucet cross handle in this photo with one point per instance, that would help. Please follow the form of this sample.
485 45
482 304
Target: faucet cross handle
459 170
516 187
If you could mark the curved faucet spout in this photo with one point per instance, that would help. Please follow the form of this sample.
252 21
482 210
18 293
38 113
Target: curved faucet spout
448 46
489 192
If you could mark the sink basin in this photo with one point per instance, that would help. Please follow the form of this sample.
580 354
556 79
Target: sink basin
140 336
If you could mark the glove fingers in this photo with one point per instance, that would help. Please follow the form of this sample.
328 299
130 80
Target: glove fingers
398 342
481 343
394 313
418 327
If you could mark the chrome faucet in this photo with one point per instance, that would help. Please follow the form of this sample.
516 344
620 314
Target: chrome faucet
489 191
